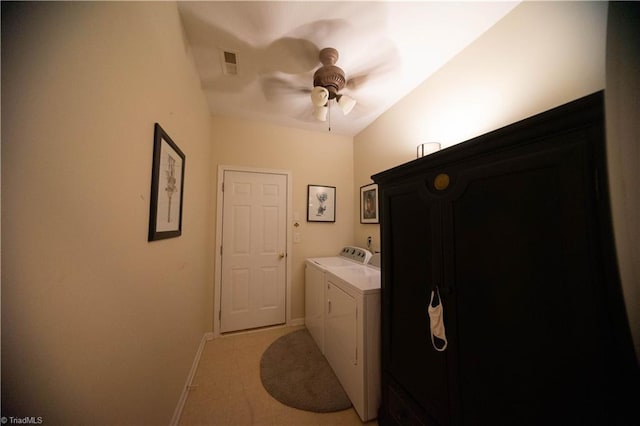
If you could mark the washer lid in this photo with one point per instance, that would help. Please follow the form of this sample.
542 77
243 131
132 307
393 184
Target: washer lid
361 278
332 261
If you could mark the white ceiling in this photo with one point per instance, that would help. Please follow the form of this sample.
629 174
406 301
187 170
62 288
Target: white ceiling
396 44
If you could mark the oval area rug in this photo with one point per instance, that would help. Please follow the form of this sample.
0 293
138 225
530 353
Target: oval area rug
294 371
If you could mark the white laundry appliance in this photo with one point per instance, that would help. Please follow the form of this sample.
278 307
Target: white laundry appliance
315 288
344 301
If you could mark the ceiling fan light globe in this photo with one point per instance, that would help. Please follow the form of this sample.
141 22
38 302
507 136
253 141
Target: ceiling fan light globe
346 104
319 96
320 113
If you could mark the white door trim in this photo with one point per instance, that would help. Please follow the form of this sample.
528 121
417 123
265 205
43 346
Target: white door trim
218 260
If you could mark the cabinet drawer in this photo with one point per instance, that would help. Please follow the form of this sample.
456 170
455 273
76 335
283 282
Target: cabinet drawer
400 411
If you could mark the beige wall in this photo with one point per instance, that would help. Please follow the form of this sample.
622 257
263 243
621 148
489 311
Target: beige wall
319 158
98 325
540 55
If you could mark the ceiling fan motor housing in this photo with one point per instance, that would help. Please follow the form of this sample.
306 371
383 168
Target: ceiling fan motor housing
329 76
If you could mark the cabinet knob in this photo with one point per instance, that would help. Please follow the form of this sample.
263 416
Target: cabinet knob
441 182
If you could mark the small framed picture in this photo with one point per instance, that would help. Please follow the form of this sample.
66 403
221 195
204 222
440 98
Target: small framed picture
369 203
321 205
167 185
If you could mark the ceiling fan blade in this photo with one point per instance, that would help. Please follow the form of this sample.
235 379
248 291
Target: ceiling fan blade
276 88
386 62
290 55
323 32
355 82
298 51
306 114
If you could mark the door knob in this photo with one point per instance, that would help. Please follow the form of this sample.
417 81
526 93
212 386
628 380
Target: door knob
281 255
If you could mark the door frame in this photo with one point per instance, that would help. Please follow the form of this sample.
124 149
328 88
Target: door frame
217 286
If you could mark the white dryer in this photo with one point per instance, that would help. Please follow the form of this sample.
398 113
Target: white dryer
352 334
342 303
315 287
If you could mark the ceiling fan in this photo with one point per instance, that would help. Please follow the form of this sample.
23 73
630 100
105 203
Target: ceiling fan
330 84
328 81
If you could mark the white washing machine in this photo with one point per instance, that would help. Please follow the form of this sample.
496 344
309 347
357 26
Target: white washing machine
315 288
344 303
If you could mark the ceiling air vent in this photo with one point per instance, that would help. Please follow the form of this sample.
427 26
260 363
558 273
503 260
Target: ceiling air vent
229 62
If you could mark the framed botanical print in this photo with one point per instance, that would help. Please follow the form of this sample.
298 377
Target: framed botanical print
321 206
167 187
369 203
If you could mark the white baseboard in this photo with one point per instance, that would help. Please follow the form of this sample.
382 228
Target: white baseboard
185 391
296 322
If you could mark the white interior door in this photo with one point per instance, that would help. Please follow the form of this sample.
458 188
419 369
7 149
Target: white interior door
253 282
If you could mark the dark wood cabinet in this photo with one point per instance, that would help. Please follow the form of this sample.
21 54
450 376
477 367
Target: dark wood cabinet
513 228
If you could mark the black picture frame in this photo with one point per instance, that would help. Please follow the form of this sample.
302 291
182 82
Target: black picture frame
167 182
369 212
321 205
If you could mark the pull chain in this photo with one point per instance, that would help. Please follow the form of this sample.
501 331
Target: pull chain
329 113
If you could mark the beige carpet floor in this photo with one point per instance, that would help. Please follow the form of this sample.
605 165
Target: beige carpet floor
228 390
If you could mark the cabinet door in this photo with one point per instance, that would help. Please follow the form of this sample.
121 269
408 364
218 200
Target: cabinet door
410 270
532 331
